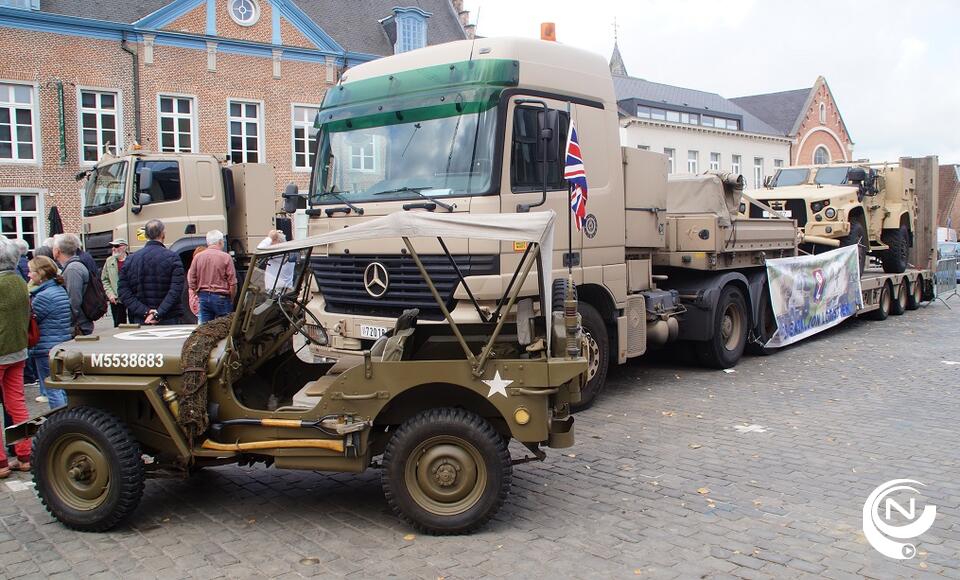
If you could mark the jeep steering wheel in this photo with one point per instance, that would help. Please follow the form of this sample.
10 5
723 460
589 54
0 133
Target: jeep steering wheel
297 321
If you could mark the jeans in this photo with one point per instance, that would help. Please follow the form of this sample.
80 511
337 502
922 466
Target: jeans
213 306
11 382
41 366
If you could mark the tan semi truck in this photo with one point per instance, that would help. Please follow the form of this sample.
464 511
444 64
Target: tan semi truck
873 205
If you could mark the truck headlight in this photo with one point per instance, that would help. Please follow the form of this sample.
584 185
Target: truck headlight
830 213
317 334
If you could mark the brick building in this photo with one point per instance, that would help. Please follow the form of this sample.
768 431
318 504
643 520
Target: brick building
809 117
948 206
241 78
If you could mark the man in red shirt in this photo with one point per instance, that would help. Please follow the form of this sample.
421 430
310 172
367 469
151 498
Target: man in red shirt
213 277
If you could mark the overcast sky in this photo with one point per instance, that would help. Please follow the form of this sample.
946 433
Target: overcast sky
893 66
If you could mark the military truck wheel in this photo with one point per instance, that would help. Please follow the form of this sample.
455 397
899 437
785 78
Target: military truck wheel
916 294
446 471
725 348
886 301
87 468
895 259
899 303
857 236
765 327
598 354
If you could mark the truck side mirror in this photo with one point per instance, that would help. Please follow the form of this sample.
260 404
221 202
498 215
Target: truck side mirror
548 134
145 182
292 201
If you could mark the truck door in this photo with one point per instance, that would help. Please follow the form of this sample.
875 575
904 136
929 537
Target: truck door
206 205
167 202
522 179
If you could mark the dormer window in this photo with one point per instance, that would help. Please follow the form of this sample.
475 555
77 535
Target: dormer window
407 28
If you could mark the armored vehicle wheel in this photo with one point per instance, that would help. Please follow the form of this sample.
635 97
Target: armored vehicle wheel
895 259
446 471
885 304
725 348
899 303
916 294
87 468
598 354
858 236
765 327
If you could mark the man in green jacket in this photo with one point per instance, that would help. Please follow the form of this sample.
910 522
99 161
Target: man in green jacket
110 277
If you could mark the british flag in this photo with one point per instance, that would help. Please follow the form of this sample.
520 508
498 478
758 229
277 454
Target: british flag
574 173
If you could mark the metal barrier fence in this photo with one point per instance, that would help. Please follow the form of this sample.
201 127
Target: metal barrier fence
945 281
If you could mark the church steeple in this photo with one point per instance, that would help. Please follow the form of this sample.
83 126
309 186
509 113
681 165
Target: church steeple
616 62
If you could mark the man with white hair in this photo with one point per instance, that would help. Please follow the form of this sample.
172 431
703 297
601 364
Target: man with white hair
76 277
22 263
213 277
150 284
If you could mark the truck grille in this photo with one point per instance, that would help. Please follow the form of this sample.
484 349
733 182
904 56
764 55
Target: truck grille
340 278
796 207
98 246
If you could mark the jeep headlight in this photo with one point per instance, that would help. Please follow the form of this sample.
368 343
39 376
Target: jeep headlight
830 213
317 334
818 206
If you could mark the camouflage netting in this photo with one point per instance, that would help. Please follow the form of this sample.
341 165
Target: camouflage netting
193 417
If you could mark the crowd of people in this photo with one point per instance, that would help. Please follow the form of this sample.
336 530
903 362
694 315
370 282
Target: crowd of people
59 292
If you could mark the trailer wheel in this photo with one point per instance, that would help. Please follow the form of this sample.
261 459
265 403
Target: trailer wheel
886 301
895 259
725 348
916 294
765 327
899 303
446 471
598 354
858 237
87 468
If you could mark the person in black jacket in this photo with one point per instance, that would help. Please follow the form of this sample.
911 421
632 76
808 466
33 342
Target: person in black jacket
151 281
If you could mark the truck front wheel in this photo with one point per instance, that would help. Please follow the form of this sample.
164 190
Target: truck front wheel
598 355
725 348
87 468
446 471
895 259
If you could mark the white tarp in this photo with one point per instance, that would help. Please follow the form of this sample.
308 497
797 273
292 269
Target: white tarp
812 293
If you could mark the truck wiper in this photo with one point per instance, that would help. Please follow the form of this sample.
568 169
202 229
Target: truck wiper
419 191
346 201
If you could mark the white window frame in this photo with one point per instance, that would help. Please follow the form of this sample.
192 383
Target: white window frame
194 124
823 113
693 161
757 172
671 153
41 233
261 158
777 164
294 124
736 162
827 151
373 157
80 110
406 43
35 108
245 23
714 161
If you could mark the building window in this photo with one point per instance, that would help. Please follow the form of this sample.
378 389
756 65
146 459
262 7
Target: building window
176 124
823 114
757 172
22 4
304 135
658 114
692 158
690 118
245 12
673 116
244 132
714 162
777 163
17 134
20 217
733 125
821 156
411 32
361 154
99 124
643 147
670 153
643 112
735 164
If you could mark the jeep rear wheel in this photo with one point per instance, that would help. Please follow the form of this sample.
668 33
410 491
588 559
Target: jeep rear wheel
87 468
446 471
894 259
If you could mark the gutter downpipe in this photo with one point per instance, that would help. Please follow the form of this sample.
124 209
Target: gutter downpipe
136 88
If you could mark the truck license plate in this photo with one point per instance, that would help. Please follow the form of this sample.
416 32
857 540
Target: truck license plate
374 332
784 213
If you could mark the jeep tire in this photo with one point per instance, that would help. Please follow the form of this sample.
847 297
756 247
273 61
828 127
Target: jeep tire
446 471
87 469
895 258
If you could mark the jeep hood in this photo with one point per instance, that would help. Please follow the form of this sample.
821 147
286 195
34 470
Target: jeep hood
807 192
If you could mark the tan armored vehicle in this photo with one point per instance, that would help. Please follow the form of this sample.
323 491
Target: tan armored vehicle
438 402
873 205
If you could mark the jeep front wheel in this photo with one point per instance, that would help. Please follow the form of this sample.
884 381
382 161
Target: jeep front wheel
895 259
87 468
446 471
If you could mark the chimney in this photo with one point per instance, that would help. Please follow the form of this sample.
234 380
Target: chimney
471 31
548 31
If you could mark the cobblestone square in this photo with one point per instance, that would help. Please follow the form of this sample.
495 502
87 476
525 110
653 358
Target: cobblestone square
677 472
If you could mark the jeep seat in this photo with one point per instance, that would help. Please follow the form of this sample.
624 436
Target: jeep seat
389 347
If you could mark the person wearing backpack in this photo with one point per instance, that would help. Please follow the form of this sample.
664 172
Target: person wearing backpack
76 277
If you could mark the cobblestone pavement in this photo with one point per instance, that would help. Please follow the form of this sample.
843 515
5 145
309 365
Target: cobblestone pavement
677 472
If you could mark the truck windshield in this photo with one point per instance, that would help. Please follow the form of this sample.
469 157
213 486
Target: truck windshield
831 176
105 189
788 177
443 156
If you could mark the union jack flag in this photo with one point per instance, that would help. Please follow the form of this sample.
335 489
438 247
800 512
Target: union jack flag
574 173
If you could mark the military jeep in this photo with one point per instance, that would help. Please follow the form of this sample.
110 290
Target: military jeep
436 403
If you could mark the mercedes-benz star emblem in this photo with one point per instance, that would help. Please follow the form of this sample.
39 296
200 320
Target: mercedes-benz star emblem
375 279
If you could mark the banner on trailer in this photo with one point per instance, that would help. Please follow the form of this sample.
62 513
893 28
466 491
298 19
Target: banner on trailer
812 293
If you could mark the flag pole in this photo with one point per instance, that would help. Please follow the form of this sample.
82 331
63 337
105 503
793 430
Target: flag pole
569 199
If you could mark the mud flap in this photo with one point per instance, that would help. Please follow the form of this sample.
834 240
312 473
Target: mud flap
28 428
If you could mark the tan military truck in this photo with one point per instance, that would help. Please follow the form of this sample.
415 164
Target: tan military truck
438 402
191 193
873 205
